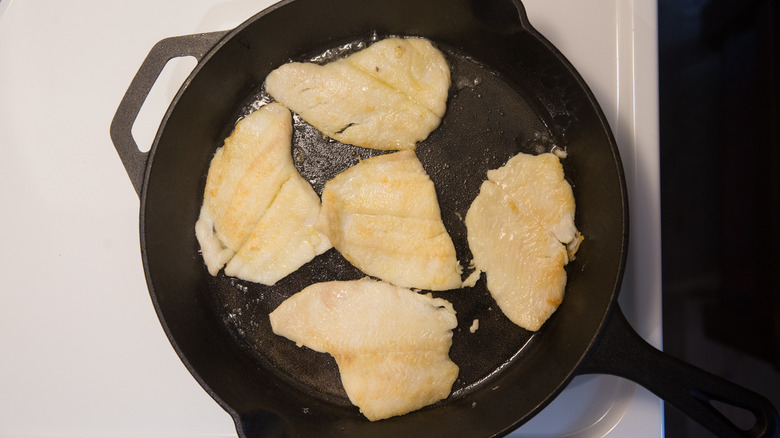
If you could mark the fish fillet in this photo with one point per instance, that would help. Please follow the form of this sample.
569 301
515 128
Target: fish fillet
258 213
388 96
518 228
383 216
391 344
284 238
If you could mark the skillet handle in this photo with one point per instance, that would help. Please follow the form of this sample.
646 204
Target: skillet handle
622 352
196 45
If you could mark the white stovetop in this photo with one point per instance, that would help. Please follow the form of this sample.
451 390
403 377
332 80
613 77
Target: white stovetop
81 350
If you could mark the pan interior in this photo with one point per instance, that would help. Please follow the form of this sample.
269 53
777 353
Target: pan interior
488 120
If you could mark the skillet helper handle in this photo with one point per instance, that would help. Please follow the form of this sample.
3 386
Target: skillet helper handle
622 352
134 160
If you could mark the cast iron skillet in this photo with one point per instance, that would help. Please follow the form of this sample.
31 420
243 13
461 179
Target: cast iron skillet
512 92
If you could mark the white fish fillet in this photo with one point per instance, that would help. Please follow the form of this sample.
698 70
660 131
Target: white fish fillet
518 228
383 216
391 344
388 96
284 238
258 213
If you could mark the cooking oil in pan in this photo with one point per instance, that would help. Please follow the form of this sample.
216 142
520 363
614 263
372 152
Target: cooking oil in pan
488 120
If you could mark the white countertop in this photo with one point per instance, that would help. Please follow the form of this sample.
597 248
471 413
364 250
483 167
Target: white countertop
81 350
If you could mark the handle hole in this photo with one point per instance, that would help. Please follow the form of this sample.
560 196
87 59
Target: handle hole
740 417
172 76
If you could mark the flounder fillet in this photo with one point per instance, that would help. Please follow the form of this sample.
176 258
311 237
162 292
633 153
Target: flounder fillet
258 213
383 216
518 230
391 344
388 96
